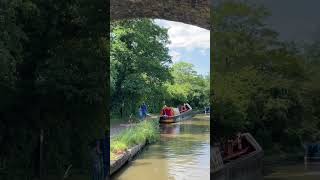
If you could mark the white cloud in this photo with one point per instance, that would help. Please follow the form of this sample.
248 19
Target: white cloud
176 56
186 36
203 52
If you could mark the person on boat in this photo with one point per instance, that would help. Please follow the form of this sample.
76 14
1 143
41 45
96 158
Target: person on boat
238 141
167 111
164 110
144 110
183 108
186 107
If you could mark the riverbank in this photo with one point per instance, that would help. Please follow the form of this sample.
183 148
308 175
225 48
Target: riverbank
125 145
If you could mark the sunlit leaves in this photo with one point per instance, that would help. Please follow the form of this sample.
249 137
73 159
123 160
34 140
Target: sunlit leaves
188 86
139 63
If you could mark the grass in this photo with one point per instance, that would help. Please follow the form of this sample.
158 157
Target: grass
146 130
114 120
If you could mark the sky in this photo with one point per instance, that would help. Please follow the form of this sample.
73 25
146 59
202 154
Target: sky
189 44
294 20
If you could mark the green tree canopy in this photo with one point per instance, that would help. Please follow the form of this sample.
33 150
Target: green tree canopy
139 63
188 86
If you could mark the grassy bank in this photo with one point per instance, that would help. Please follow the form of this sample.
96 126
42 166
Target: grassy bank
146 130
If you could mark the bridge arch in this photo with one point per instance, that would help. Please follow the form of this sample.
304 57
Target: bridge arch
193 12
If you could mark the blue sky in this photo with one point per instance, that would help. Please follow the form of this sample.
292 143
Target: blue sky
189 43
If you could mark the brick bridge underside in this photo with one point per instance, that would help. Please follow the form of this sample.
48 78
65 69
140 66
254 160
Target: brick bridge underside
193 12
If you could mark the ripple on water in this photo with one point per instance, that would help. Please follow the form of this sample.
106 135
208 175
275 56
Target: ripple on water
295 172
183 153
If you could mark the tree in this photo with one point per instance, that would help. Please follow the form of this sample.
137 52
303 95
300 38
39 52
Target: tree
262 85
139 64
188 86
53 80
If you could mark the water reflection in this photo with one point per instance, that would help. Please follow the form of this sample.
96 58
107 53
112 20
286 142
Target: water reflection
310 171
183 152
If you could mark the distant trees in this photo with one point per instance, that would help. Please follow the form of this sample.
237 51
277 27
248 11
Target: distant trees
188 86
260 84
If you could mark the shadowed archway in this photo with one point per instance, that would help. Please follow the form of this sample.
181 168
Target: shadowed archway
194 12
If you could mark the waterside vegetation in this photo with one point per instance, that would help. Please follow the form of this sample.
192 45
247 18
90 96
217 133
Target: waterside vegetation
261 84
145 131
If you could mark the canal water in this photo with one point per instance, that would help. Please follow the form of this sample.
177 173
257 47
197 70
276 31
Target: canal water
183 153
298 171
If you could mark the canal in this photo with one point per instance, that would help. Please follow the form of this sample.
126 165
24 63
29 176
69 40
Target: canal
183 152
297 171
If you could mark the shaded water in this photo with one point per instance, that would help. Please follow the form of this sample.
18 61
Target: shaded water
183 152
295 172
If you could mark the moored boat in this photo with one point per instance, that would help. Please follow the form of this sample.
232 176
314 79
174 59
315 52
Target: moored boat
172 115
237 147
239 158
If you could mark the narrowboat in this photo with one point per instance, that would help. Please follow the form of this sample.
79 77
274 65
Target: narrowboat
239 158
173 115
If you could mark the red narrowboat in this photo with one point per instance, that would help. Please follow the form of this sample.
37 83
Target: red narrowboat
173 115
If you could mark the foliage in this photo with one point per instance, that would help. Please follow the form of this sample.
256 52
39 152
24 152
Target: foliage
52 78
139 63
187 86
262 85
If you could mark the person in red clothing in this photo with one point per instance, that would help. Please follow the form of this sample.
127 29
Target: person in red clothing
168 111
164 110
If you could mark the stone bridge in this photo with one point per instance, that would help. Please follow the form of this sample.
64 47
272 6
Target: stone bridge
193 12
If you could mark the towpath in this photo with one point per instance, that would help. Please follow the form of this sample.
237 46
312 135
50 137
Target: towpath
118 128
